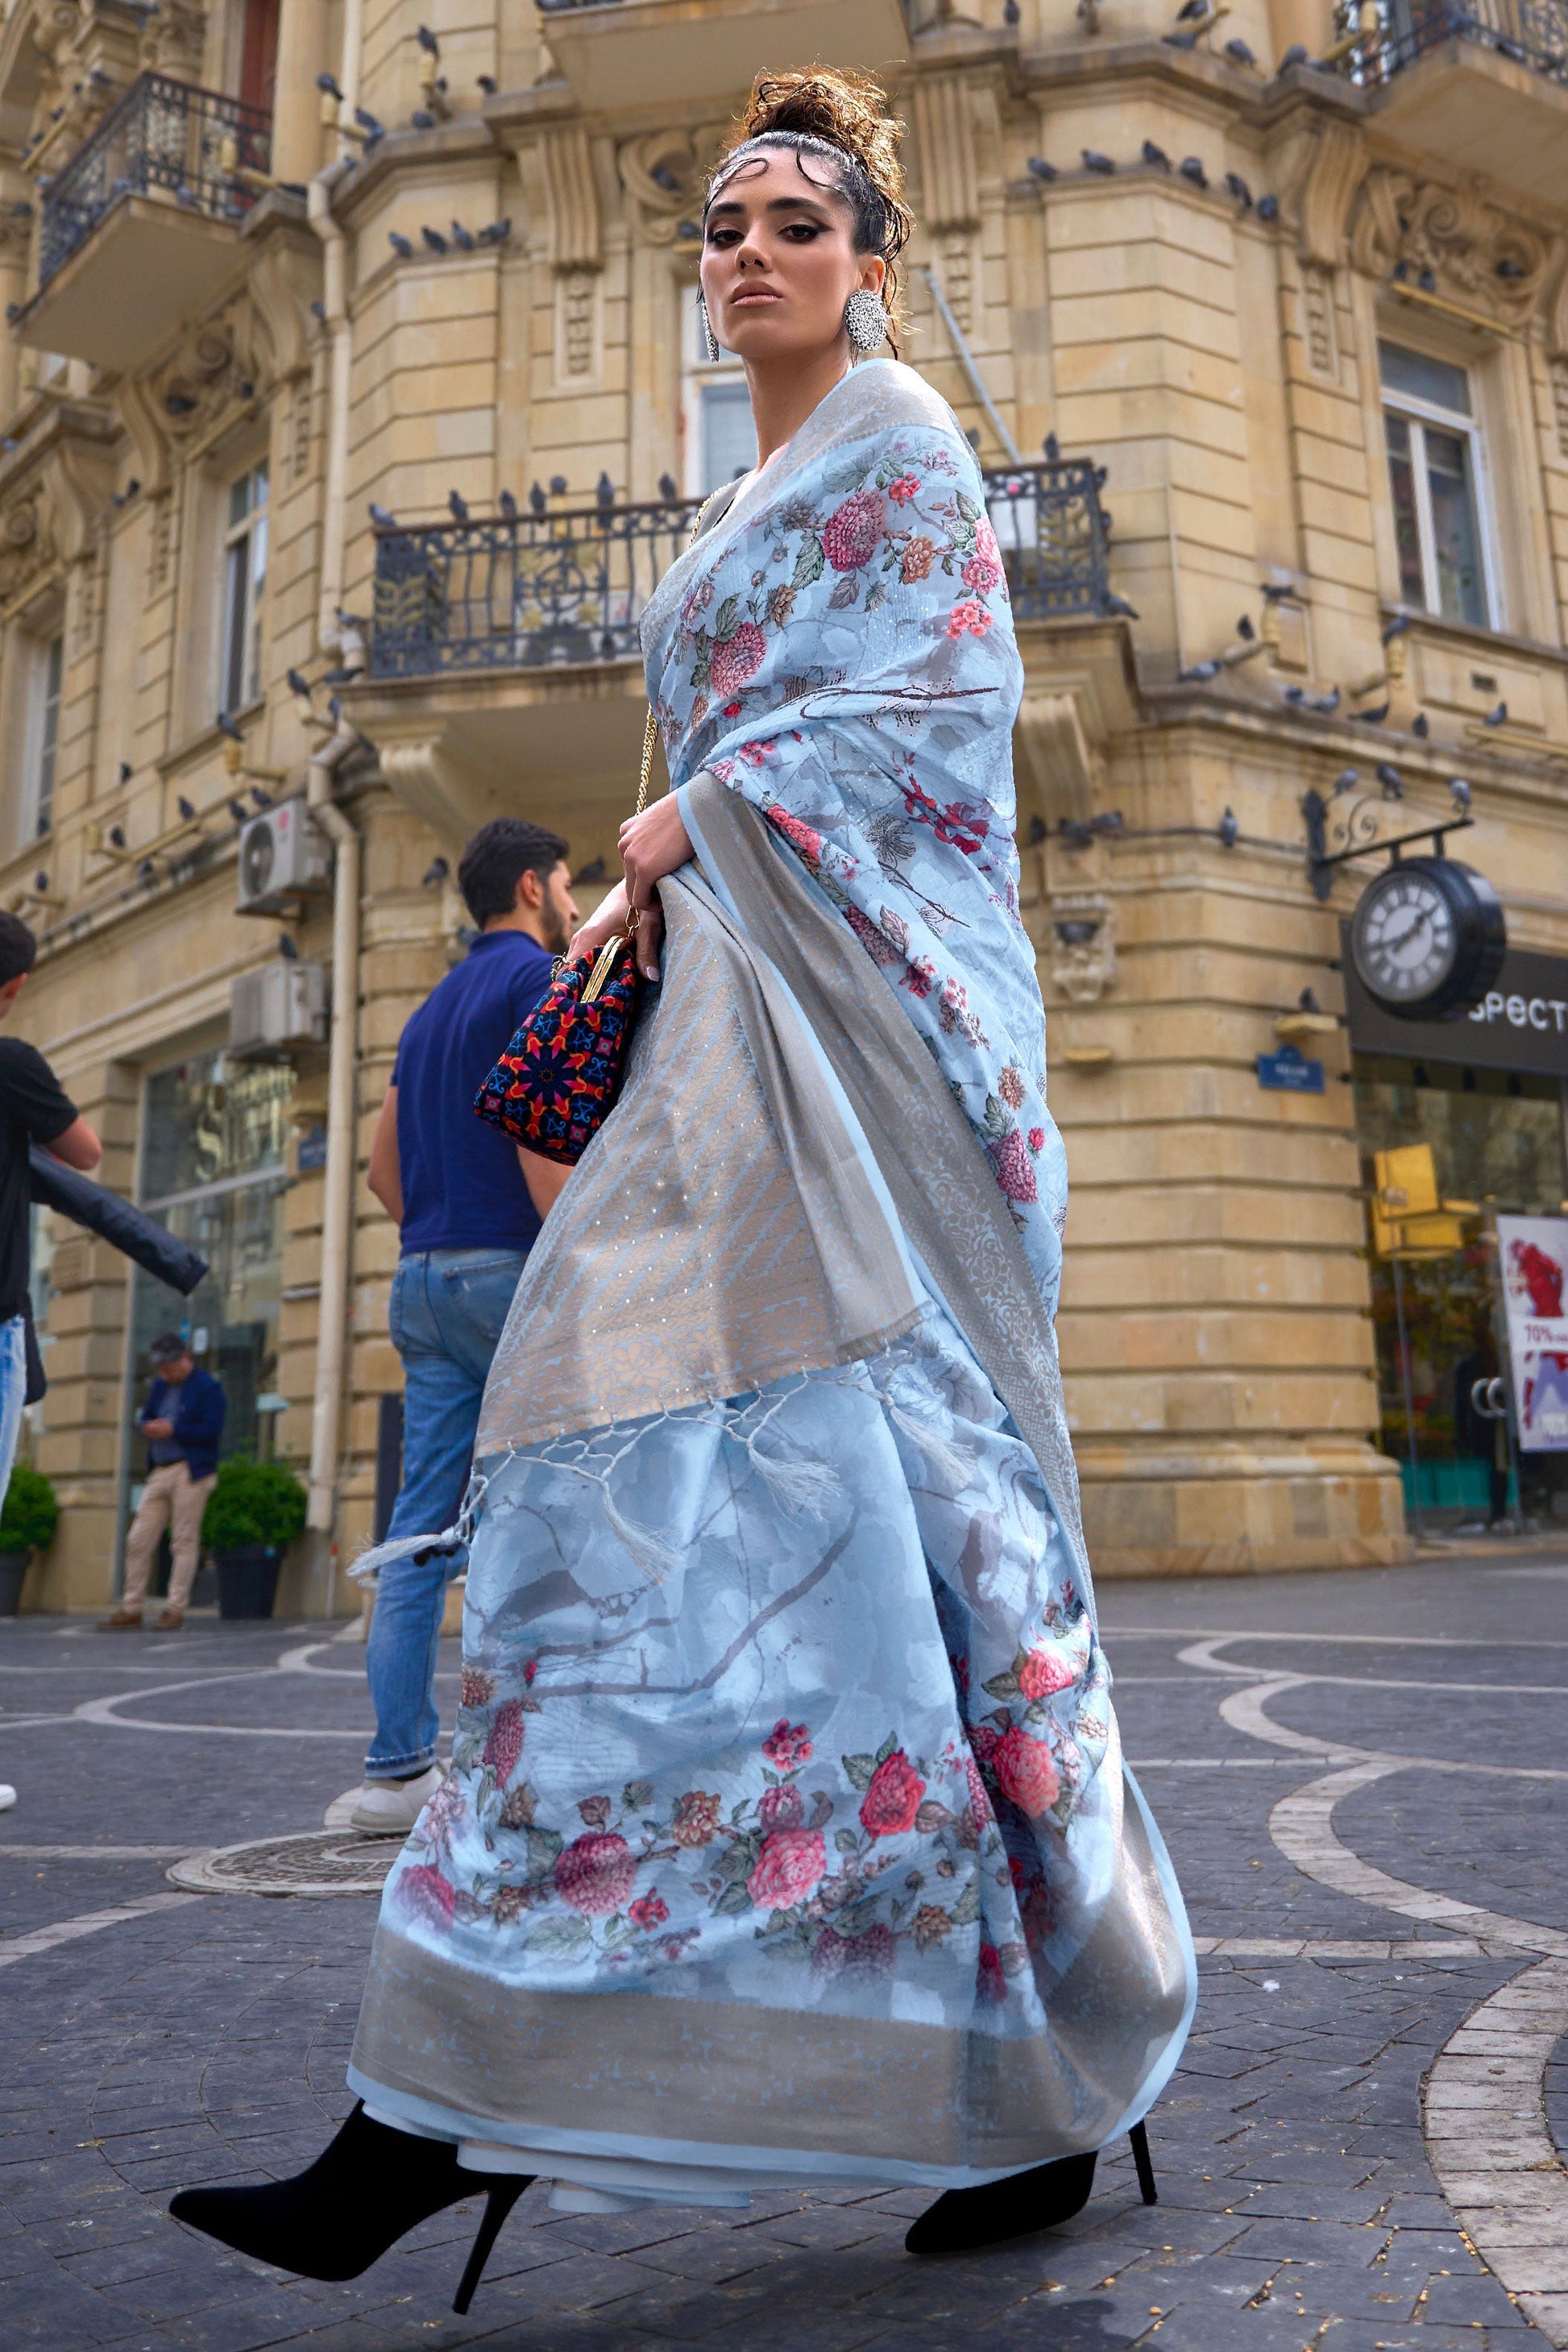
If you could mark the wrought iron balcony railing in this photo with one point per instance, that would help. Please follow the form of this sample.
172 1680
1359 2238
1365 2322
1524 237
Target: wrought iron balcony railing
163 137
535 588
1533 33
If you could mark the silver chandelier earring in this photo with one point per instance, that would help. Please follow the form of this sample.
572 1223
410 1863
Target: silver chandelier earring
710 340
864 320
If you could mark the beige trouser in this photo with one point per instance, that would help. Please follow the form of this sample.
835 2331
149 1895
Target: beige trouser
170 1493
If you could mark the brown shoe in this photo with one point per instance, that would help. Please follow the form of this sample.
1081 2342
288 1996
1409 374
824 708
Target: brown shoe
171 1621
120 1620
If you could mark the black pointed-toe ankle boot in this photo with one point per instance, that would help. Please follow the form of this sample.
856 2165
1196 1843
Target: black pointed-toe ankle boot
368 2188
963 2219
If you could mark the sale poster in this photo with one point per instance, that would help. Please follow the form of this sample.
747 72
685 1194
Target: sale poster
1533 1254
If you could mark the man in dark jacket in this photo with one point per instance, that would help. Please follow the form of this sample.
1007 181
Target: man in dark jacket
182 1423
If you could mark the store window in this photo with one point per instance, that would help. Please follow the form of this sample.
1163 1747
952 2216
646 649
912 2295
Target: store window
45 668
1434 478
215 1136
1497 1140
721 438
244 579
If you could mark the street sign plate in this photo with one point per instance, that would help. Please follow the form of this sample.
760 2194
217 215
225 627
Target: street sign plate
1289 1072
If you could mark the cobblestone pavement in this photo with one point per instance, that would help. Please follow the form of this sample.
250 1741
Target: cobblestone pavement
1359 1775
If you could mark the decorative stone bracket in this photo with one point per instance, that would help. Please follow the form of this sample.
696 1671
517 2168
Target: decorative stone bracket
1055 753
450 796
51 514
664 173
1082 944
241 351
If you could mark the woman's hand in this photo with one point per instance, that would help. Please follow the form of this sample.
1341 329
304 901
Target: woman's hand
652 845
607 922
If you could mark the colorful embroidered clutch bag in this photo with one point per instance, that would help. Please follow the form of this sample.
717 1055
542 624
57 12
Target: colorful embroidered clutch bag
553 1087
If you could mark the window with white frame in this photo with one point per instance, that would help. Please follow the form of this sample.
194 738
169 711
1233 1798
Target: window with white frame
1436 480
47 668
721 438
244 579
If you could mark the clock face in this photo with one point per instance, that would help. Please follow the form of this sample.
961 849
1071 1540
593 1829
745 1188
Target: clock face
1406 937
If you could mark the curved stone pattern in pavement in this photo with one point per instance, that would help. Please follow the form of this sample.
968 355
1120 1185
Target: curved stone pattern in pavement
152 2036
1490 2143
1483 2106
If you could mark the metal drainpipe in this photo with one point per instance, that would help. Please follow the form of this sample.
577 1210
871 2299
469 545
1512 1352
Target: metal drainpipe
966 361
337 1205
319 205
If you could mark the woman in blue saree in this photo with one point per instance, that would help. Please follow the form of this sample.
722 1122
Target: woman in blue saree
787 1840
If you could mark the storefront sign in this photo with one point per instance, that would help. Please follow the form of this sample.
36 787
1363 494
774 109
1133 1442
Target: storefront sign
1532 1253
1520 1024
1289 1072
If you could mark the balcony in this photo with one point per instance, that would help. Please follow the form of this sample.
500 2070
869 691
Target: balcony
546 590
1484 83
636 53
139 229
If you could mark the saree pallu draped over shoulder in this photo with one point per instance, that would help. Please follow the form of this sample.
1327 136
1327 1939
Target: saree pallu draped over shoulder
788 1836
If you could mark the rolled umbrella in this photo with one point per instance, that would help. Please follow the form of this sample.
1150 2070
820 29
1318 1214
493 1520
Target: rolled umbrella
121 1223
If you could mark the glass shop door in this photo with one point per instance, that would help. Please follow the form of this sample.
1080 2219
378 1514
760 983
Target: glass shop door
1497 1141
213 1169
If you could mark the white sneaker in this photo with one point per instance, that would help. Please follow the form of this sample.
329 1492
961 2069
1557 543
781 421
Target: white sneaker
7 1796
391 1808
340 1813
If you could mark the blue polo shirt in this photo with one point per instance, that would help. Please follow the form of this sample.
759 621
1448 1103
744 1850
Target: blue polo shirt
462 1188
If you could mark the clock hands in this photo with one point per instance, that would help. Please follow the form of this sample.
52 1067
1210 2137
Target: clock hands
1392 938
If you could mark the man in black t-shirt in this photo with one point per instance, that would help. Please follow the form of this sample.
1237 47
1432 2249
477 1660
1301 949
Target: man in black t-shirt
33 1109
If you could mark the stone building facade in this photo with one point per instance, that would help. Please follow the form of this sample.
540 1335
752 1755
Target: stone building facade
1291 302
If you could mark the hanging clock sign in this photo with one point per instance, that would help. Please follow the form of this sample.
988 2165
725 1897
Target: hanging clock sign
1427 938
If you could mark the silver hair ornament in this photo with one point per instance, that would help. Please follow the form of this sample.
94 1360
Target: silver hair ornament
710 340
864 320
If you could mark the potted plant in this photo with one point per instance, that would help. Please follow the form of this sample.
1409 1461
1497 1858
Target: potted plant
29 1518
254 1510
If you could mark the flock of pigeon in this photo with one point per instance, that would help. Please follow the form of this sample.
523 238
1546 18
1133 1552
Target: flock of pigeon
1155 158
1327 706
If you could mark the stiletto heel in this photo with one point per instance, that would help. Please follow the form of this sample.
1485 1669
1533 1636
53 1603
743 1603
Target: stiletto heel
498 2205
1139 2139
368 2188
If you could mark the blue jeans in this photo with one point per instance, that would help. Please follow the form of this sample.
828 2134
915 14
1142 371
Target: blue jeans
13 1389
448 1311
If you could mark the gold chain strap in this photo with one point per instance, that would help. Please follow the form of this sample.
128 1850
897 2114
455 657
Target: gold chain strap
651 733
651 736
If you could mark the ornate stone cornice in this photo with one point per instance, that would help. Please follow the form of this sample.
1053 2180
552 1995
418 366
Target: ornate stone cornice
30 549
64 63
52 499
664 173
212 379
1450 241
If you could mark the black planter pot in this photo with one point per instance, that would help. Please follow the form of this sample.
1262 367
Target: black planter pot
247 1580
12 1569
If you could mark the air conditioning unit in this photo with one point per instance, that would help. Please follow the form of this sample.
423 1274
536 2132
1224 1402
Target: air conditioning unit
277 1007
281 855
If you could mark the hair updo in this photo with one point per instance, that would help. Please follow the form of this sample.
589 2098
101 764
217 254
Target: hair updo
839 119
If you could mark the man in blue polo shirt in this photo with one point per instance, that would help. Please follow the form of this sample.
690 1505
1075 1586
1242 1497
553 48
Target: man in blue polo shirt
469 1205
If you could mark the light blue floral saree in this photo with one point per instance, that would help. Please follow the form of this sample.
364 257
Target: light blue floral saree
788 1837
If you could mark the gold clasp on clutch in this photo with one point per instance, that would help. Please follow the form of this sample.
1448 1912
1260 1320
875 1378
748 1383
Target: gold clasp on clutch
604 964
